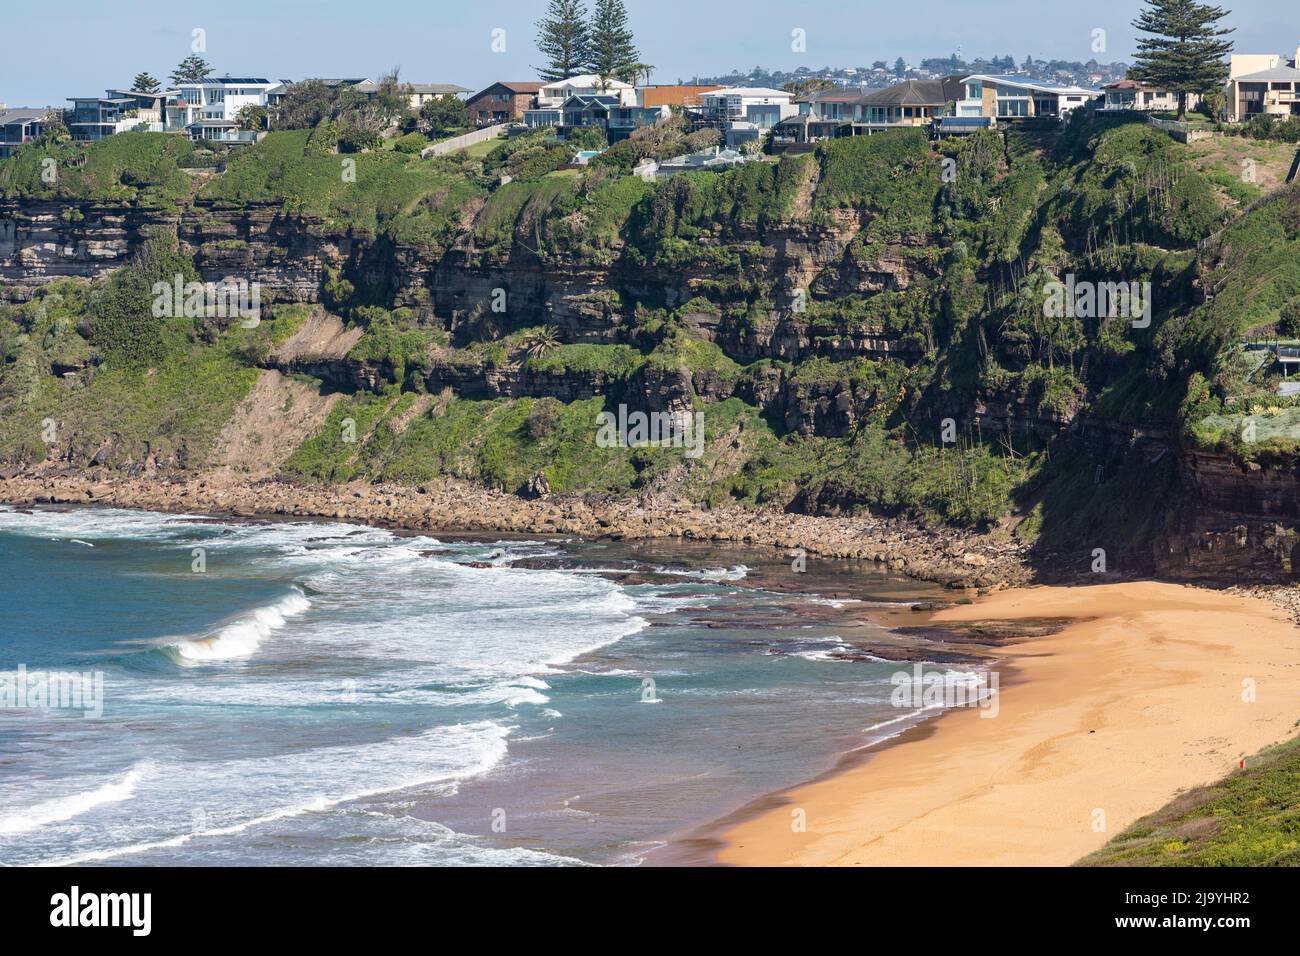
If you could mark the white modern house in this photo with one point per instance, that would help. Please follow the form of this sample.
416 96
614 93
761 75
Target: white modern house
553 95
1019 97
209 108
760 105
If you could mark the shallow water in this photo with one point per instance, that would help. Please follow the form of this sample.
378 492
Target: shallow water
325 693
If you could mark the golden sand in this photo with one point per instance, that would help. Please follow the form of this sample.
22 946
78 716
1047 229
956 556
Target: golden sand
1145 695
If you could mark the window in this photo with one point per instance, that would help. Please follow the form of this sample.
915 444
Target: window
975 90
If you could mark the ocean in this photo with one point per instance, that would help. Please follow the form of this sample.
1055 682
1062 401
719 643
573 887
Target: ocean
315 692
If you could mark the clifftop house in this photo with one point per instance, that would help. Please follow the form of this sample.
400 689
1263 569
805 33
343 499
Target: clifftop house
1263 84
505 101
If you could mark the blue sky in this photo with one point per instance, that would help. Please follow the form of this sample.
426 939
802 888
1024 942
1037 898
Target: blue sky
62 48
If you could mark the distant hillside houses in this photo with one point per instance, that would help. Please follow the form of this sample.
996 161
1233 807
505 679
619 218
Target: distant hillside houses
945 95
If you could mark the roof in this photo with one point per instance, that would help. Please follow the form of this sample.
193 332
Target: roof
833 96
589 79
518 87
1277 73
21 115
436 89
605 102
909 93
214 80
750 91
1039 86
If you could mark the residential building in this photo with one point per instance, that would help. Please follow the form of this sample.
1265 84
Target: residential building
907 104
502 102
830 113
1263 84
221 98
417 93
716 159
602 112
1018 97
760 105
117 111
664 95
745 113
18 127
552 95
1131 95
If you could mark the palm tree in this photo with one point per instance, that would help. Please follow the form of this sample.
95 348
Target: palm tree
542 341
638 71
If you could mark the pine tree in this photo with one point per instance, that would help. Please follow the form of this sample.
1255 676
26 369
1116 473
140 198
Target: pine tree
613 52
563 38
145 83
1184 53
192 69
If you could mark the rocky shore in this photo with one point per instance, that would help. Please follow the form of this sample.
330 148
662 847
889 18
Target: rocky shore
943 555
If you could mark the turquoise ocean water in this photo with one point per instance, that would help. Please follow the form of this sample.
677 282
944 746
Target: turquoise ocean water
326 693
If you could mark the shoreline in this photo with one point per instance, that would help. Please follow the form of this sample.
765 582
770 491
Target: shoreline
945 556
1099 724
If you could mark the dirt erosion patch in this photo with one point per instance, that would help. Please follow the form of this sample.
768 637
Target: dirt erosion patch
277 416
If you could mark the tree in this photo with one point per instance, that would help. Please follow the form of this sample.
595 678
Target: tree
1184 52
145 83
305 105
563 38
802 88
900 66
53 128
442 114
610 44
252 117
192 69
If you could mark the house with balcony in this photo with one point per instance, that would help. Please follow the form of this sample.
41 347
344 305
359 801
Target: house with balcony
117 111
745 113
605 113
1263 84
912 103
831 113
686 97
19 127
221 98
1132 96
747 104
505 101
553 95
417 94
1010 98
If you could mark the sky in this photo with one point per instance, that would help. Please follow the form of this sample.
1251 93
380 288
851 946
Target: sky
56 49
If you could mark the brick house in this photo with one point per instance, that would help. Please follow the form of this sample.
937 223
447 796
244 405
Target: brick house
502 102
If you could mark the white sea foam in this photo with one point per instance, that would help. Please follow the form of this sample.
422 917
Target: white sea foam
60 809
242 636
442 756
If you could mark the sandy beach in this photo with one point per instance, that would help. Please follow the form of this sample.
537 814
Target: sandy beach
1097 725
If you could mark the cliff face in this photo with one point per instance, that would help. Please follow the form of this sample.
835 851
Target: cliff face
291 257
287 255
1239 522
42 241
1232 522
